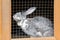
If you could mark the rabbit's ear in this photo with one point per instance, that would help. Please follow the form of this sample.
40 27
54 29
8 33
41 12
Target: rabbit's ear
29 11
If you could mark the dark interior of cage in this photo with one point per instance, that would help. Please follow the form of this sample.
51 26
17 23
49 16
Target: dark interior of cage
44 8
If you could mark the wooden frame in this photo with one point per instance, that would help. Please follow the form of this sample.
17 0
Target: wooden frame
0 22
5 22
6 19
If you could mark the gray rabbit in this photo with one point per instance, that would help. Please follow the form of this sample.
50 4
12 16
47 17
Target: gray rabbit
35 27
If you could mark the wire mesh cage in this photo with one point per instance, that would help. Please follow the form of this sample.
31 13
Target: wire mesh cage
45 8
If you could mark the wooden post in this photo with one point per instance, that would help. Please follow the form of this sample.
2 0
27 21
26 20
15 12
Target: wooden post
57 19
6 19
0 21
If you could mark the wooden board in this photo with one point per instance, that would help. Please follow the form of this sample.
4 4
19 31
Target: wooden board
0 21
6 19
45 38
57 19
